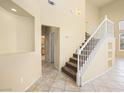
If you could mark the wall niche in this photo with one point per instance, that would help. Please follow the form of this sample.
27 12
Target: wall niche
16 29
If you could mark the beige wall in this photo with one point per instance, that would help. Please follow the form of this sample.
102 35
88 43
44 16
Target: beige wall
18 71
92 17
99 64
25 34
7 32
16 33
115 13
72 27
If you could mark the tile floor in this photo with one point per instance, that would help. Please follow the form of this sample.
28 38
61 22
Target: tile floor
55 81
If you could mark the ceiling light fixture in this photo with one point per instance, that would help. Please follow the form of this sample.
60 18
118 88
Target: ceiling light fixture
14 10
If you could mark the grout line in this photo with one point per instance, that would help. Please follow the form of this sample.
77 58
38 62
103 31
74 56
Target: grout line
52 83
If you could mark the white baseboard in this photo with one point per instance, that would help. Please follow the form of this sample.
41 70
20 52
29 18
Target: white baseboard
31 83
83 83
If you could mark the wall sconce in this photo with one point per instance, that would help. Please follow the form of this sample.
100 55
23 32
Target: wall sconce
51 2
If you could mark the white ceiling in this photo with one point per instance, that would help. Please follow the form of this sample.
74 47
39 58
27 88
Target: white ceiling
101 3
9 4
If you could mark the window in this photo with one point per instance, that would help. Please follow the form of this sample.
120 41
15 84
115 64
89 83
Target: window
121 40
121 35
121 25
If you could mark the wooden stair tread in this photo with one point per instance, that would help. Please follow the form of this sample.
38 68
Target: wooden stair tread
74 58
69 72
72 64
75 55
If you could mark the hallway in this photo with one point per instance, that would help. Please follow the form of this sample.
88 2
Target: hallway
53 80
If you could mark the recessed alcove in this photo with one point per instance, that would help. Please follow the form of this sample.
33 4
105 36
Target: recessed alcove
16 29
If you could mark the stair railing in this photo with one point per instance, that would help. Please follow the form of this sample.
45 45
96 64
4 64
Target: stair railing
106 27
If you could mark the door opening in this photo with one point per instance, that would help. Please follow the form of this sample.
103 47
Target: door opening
50 45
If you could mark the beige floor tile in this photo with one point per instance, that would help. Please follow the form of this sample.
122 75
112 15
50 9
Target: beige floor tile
116 90
32 88
55 81
61 76
41 89
87 88
72 90
59 84
102 89
56 89
71 86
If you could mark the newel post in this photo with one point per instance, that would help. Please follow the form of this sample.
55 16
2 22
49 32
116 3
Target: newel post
106 24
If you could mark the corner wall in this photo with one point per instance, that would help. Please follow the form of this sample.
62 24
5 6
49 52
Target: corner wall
92 16
115 13
100 62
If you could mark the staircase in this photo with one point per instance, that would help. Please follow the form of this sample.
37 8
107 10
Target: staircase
71 66
77 65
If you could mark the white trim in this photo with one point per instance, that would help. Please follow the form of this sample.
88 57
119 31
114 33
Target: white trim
92 55
110 21
120 43
79 52
105 21
83 83
92 36
31 84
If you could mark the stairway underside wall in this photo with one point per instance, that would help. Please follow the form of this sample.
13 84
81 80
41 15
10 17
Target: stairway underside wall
98 63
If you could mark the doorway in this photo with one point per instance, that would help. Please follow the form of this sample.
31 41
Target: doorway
50 45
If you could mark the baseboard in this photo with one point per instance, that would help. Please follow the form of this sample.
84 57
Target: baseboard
96 77
31 83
